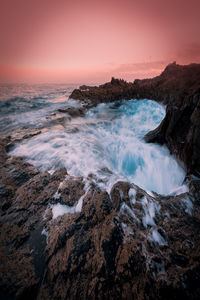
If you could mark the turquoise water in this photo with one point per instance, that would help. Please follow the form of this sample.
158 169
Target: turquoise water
107 145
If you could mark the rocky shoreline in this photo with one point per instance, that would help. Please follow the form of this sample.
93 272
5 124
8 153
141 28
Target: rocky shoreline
124 245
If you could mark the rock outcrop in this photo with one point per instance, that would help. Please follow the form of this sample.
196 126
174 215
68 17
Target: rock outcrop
178 87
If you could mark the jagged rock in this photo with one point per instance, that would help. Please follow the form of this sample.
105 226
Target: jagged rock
114 90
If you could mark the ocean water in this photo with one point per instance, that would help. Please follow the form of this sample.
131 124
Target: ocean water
107 145
26 105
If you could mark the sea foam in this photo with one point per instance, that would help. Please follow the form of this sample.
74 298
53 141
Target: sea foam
109 143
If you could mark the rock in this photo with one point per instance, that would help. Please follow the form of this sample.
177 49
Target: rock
20 134
70 190
115 90
96 206
73 112
119 194
180 132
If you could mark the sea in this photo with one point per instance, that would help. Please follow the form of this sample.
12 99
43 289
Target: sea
106 145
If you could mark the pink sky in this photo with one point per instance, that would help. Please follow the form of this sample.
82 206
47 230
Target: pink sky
85 41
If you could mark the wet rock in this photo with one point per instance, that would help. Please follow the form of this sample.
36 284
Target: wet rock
73 112
194 186
119 194
70 190
180 132
96 205
59 174
20 134
114 90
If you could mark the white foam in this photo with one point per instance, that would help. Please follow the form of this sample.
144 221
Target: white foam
167 214
180 190
156 237
126 210
127 229
62 209
44 232
150 193
150 208
108 139
187 204
132 195
121 195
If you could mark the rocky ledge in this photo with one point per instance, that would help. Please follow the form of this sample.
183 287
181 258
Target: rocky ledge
178 87
126 244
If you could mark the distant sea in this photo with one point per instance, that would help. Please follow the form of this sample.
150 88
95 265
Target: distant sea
29 104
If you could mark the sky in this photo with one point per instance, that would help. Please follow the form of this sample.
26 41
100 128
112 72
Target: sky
85 41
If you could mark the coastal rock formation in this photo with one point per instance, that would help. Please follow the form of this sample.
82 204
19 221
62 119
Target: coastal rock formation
117 89
73 112
178 87
180 131
62 237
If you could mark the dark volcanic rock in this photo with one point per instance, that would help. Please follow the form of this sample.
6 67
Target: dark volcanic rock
115 90
180 131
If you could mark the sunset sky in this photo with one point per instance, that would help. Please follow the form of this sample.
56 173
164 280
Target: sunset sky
85 41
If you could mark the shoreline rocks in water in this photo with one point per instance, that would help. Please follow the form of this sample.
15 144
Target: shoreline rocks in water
126 245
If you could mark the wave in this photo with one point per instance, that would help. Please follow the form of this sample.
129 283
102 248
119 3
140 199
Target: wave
108 146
